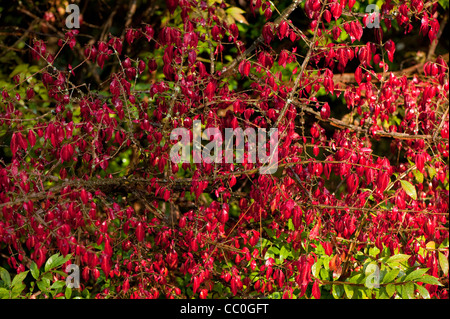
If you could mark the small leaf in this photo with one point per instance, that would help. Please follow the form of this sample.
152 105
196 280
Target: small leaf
337 291
349 291
431 245
444 3
409 189
390 289
18 279
416 274
42 285
68 292
382 294
47 276
390 276
324 274
49 263
398 258
443 261
236 14
357 279
408 290
427 279
284 253
4 275
291 225
418 175
315 269
431 171
58 284
4 293
423 291
34 270
60 260
17 290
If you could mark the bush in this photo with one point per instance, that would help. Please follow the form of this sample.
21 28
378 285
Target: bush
356 207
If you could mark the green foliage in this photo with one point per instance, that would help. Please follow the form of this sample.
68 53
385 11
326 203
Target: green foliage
44 282
11 289
380 278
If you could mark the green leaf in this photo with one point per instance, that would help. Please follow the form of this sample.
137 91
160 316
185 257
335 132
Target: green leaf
315 269
324 274
390 289
291 225
18 279
43 285
276 295
236 13
4 293
4 274
374 251
349 291
382 294
337 291
408 290
60 260
431 169
34 270
416 274
399 258
390 276
58 284
399 289
418 175
284 253
444 3
17 290
47 277
50 262
443 261
409 189
272 252
68 292
431 245
423 291
21 68
427 279
357 279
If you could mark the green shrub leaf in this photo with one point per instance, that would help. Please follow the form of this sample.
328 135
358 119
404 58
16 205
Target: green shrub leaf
409 189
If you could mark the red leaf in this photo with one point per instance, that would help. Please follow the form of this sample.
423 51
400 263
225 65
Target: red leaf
232 181
390 48
140 232
358 75
282 29
31 138
14 143
316 290
66 152
210 89
315 231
